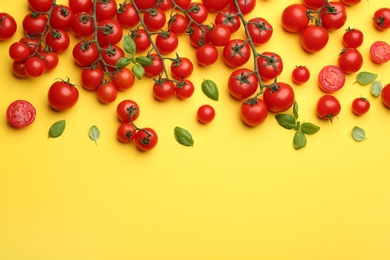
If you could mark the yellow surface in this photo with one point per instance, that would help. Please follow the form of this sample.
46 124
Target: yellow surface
239 193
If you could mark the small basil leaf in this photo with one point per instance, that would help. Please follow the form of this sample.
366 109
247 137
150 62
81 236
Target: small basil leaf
183 136
94 133
123 62
364 77
376 88
144 61
358 134
299 140
285 120
138 71
57 129
295 109
210 89
129 45
309 128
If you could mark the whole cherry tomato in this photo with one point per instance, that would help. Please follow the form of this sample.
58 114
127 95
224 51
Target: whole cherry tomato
181 68
229 18
61 17
163 89
199 35
127 15
333 16
279 97
236 53
350 60
109 32
105 9
146 139
85 53
253 111
62 95
18 69
127 110
184 89
300 75
205 114
352 38
141 39
82 24
360 106
8 26
350 2
381 18
166 42
126 132
123 79
111 55
145 4
157 66
246 6
313 4
198 12
328 107
270 65
314 38
242 83
154 19
219 35
34 67
91 78
58 40
18 51
34 23
79 6
50 58
206 54
40 5
107 93
294 18
260 30
178 24
215 6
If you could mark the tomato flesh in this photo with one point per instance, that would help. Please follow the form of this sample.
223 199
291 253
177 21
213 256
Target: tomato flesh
380 52
20 113
331 79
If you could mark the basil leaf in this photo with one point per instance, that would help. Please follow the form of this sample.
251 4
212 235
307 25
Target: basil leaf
364 77
138 71
376 88
210 89
295 109
57 129
358 134
309 128
94 133
299 140
123 62
129 45
183 137
285 120
144 61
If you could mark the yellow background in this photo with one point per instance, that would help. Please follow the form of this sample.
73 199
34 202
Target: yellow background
239 193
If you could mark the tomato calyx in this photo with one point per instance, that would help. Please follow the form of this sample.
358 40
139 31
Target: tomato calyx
330 117
236 48
273 87
251 101
270 60
107 29
380 22
261 26
243 78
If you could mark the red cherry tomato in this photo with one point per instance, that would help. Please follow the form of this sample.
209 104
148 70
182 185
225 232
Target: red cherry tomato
141 39
254 111
109 32
34 67
127 16
91 78
242 83
333 16
198 12
127 109
352 38
107 93
126 132
145 4
331 79
314 38
350 60
34 24
156 68
380 52
178 24
236 53
228 18
360 106
8 26
58 40
206 54
385 96
184 89
61 17
79 6
313 4
205 114
260 30
294 18
215 6
167 42
62 95
328 107
18 69
381 18
246 6
163 89
270 65
18 51
279 97
146 139
155 19
20 113
219 35
50 59
40 5
300 75
85 54
350 2
82 24
105 9
123 79
181 68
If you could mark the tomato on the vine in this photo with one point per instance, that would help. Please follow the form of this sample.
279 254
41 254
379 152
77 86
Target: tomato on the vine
198 12
126 132
34 23
18 69
18 51
380 52
300 75
236 53
350 60
62 95
360 106
333 15
385 96
260 30
381 18
253 111
109 32
58 40
184 89
61 17
183 3
127 110
199 35
242 83
82 24
328 107
8 26
145 4
32 43
352 38
166 42
313 4
279 97
294 18
165 5
205 114
141 39
107 93
79 6
219 35
127 15
157 66
154 19
40 5
331 79
178 24
163 89
85 53
314 38
181 68
123 79
20 113
50 58
34 67
91 78
146 139
270 65
215 6
206 54
105 9
229 18
111 55
246 6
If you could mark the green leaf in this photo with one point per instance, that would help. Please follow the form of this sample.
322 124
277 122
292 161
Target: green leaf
210 89
57 129
295 109
123 62
144 61
285 120
376 88
94 133
129 45
364 77
358 134
299 140
183 137
138 71
309 128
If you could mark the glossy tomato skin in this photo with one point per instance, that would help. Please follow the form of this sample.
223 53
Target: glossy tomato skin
333 16
205 114
199 35
381 19
112 56
215 6
360 106
270 65
300 75
155 20
167 42
8 26
141 40
294 18
40 5
62 95
246 6
260 30
228 18
331 79
206 54
61 17
279 97
353 38
198 12
109 32
350 60
20 113
146 139
219 35
350 2
163 89
145 4
385 96
79 6
253 111
178 24
123 79
182 68
184 89
34 24
127 16
58 40
127 109
18 69
107 93
32 44
242 83
50 59
105 9
82 24
165 5
126 132
314 38
34 67
91 78
328 107
236 53
380 52
18 51
156 68
313 4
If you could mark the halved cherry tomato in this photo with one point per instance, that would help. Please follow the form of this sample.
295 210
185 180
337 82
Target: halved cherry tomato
380 52
20 113
331 78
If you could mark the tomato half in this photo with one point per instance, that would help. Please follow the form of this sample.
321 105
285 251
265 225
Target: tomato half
380 52
20 113
331 79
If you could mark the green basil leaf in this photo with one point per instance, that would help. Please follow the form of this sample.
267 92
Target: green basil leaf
94 133
309 128
183 136
364 77
123 62
295 109
299 140
144 61
57 129
138 71
129 45
210 89
358 134
285 120
376 88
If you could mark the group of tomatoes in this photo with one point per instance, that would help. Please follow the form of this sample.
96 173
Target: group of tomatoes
153 28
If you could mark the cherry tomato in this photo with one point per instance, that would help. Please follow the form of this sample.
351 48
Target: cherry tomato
145 4
270 65
141 39
360 106
165 5
215 6
279 97
313 4
328 107
58 40
352 38
178 24
219 35
82 24
156 68
260 30
79 6
206 54
111 55
350 2
91 78
163 89
300 75
253 111
34 24
380 52
183 3
50 59
18 51
184 89
236 53
18 69
294 18
381 18
61 17
8 26
40 5
105 9
126 132
246 6
127 15
229 18
331 79
198 12
32 43
34 67
385 96
62 95
146 139
333 16
166 42
107 93
20 113
314 38
199 35
154 19
109 32
85 53
127 109
181 68
205 114
350 60
242 83
124 79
